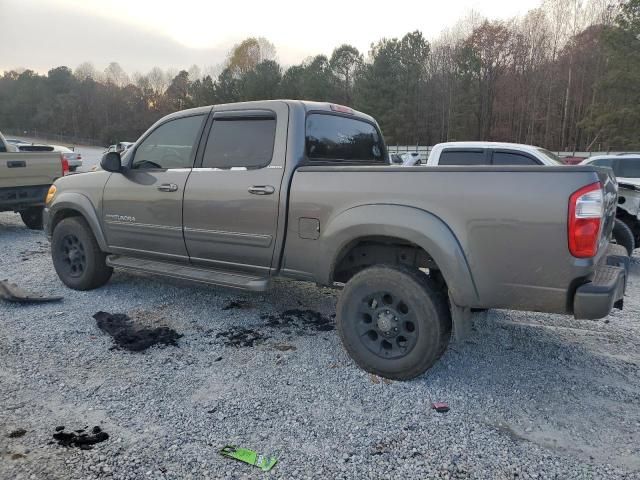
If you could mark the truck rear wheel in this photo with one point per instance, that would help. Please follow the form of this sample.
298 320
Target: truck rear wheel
623 235
32 217
77 257
393 321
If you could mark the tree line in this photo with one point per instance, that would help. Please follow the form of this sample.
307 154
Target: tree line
565 76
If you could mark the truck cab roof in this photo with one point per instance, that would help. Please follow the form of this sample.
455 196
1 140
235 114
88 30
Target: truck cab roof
306 105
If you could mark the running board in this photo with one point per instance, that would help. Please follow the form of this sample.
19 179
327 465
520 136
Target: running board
187 272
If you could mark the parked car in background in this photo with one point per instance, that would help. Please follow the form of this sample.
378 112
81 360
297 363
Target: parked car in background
16 141
411 158
491 153
74 158
25 178
626 168
395 159
238 194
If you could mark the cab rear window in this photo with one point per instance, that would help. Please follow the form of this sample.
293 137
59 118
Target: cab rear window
335 140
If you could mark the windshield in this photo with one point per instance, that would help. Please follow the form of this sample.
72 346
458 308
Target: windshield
552 156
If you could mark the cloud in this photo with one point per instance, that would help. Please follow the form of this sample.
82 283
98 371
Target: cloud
42 36
140 34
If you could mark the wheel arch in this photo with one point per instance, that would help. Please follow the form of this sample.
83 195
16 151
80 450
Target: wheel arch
405 227
73 204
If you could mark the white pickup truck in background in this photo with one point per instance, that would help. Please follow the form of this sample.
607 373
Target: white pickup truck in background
490 153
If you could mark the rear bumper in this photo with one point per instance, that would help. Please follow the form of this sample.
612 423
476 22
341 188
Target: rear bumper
596 299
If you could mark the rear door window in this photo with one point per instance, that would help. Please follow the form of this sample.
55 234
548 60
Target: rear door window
512 158
461 156
628 167
603 162
240 142
344 141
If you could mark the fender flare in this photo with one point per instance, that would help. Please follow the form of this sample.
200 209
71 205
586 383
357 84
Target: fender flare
408 223
81 204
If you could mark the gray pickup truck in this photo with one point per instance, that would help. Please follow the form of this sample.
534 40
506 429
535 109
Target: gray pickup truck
237 194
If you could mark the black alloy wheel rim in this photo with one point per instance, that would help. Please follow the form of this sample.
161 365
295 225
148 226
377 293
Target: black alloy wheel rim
386 325
73 256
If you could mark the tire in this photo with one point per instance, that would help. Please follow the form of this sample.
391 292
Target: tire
623 235
73 169
393 321
77 258
32 217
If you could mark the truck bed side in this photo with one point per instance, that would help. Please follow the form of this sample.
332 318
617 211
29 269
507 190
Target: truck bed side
507 226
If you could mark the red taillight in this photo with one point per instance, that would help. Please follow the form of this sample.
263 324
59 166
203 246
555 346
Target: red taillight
65 164
586 207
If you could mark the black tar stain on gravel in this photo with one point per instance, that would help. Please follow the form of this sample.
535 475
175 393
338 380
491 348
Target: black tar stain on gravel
301 320
83 441
128 336
241 337
20 432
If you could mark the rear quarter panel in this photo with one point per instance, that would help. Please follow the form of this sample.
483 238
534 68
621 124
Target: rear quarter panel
510 223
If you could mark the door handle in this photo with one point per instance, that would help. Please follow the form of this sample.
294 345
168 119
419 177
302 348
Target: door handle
262 189
168 187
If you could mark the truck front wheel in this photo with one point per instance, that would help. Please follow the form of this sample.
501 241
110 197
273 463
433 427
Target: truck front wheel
77 257
393 321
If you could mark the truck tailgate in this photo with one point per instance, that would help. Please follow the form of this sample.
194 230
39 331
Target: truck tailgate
29 168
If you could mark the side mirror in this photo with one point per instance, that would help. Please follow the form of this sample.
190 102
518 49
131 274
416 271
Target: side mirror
111 162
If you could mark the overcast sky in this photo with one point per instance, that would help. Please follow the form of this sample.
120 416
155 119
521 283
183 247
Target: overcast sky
140 34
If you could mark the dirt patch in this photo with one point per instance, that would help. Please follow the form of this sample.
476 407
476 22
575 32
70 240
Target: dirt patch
80 438
241 337
237 305
20 432
132 337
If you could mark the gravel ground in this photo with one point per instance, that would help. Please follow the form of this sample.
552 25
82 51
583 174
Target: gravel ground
531 395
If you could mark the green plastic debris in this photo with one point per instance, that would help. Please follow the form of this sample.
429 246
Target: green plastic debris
249 456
